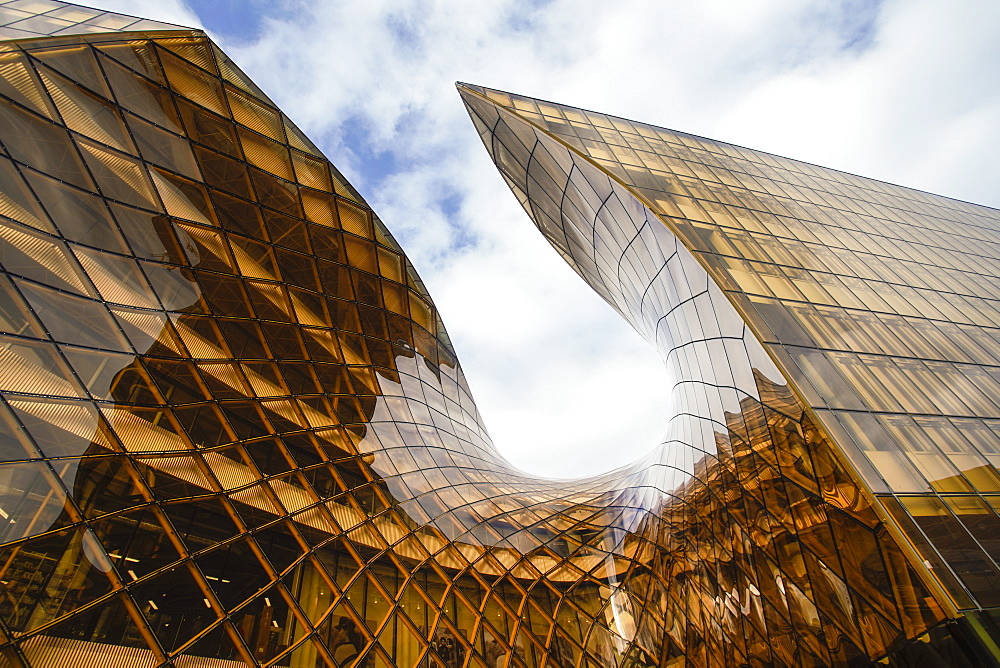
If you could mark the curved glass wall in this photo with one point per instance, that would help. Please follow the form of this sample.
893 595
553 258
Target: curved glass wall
233 430
901 393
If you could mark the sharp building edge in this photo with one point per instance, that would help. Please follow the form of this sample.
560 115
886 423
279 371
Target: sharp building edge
826 338
233 430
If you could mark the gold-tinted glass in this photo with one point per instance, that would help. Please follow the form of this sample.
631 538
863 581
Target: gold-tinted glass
233 430
849 284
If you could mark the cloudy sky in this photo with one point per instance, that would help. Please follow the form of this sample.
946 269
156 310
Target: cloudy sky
907 91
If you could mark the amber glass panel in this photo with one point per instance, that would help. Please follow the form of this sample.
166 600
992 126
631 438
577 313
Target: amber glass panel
237 430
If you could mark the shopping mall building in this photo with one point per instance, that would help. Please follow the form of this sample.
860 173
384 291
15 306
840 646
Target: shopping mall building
233 430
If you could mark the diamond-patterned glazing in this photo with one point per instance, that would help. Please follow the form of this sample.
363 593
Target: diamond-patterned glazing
786 255
233 430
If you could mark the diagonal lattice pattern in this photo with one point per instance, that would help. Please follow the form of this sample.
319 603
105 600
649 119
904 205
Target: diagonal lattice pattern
887 364
27 19
233 430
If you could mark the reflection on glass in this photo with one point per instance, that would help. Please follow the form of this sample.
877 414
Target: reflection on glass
234 431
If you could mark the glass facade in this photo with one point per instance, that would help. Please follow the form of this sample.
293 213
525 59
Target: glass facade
233 430
832 341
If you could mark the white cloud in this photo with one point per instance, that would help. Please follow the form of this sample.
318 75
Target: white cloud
920 108
905 90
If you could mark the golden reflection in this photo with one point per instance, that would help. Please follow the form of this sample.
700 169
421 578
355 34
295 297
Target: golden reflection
233 429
